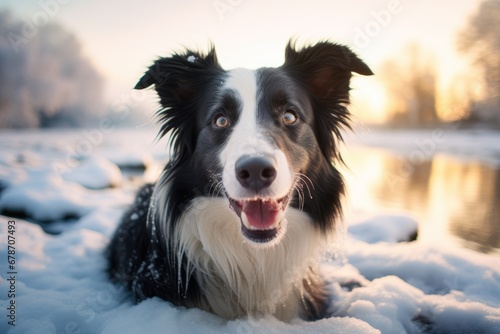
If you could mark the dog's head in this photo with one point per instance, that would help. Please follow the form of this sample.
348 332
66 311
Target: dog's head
266 138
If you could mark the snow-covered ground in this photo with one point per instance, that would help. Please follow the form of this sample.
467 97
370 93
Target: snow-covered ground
378 283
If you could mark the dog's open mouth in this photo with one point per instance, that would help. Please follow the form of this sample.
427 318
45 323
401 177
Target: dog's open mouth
261 218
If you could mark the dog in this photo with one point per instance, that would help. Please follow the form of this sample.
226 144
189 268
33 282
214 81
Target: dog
236 223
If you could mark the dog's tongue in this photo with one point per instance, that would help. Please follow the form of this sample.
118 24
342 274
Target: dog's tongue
261 214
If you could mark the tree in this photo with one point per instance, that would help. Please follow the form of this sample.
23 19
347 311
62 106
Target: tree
410 83
44 78
480 40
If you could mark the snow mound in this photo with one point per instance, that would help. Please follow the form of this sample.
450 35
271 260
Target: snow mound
393 306
128 159
95 173
44 196
413 288
10 176
431 269
385 228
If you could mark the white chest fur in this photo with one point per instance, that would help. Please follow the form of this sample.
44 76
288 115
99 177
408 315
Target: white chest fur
238 278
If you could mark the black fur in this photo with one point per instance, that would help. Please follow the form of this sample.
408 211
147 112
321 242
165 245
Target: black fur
313 81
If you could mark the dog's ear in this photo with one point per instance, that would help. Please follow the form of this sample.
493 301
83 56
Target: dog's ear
179 77
325 68
182 82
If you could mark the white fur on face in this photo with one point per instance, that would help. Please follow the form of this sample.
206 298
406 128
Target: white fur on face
248 138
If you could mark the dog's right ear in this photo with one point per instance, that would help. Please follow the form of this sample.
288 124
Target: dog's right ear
178 78
182 81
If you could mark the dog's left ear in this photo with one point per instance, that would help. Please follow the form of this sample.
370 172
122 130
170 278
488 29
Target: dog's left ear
326 68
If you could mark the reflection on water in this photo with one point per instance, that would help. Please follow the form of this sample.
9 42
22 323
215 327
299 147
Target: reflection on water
455 201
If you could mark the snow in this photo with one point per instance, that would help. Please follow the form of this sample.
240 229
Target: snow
44 196
95 173
378 283
135 159
384 228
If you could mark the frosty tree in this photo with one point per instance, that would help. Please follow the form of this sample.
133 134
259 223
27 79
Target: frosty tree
480 40
410 83
44 78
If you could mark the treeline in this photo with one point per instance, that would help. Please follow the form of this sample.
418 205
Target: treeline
44 78
473 96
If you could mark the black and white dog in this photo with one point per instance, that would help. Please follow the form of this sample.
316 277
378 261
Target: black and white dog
251 196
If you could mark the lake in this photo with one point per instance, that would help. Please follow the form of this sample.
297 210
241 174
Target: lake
455 200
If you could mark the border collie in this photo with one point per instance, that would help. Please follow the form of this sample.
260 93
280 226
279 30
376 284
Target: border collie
237 221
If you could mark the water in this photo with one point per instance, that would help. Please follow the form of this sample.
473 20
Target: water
456 201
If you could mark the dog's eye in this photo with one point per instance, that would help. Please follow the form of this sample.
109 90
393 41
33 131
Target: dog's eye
289 117
221 121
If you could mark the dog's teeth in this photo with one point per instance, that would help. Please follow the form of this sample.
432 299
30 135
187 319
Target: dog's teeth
272 227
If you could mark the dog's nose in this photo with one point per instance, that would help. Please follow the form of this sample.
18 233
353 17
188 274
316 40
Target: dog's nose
256 172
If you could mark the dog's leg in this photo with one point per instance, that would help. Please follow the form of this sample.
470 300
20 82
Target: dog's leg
314 297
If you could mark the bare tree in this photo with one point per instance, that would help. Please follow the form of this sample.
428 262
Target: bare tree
410 83
480 40
44 78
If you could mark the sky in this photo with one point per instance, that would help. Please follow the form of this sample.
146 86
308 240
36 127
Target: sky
122 38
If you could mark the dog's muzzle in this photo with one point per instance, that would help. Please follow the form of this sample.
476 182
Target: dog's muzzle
261 217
